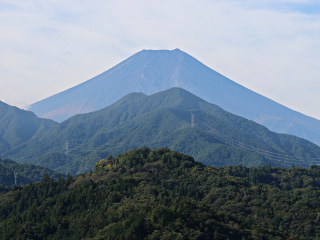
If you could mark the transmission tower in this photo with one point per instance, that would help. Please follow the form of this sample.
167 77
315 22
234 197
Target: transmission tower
67 147
15 178
192 120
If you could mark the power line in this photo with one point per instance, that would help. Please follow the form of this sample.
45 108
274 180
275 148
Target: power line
177 125
230 141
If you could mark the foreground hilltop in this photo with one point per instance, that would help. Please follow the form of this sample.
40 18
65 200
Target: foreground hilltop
151 71
163 194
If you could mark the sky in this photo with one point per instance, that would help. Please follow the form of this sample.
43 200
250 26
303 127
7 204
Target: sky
269 46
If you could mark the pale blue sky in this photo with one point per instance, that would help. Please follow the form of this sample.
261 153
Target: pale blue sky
269 46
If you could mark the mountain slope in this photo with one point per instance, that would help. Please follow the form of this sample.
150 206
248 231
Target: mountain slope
173 118
18 126
151 71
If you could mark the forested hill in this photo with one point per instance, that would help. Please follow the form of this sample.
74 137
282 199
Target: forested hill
26 173
174 118
18 126
163 194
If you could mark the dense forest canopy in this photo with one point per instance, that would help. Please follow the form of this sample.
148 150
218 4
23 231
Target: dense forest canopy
163 194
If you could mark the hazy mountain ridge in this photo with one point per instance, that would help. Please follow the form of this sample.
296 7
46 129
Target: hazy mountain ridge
161 120
18 126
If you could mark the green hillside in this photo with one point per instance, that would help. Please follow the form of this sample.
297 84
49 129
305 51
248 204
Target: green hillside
174 118
27 173
163 194
18 126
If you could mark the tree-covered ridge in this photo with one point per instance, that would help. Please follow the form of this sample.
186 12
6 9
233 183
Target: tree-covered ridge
18 126
173 118
26 173
163 194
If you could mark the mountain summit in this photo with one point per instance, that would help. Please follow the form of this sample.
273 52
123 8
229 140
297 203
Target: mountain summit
151 71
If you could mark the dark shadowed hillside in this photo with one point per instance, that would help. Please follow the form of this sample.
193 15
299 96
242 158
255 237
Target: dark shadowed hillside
26 173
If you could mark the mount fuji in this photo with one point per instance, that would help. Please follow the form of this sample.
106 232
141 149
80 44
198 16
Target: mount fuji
152 71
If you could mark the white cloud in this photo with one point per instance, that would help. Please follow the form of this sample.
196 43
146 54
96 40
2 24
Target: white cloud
270 47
